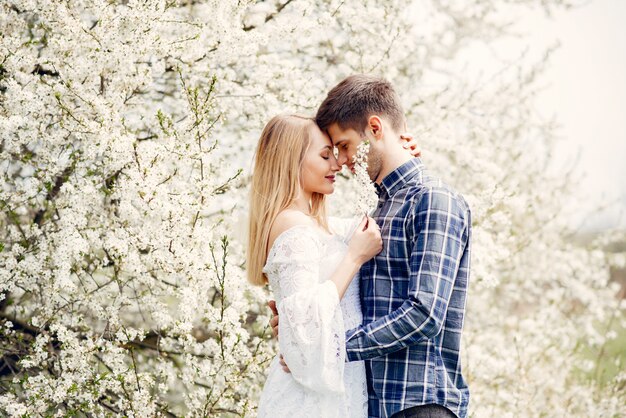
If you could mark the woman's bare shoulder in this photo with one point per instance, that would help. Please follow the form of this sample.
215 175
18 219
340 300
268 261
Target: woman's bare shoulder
287 219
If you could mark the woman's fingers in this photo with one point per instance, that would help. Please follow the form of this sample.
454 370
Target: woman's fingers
411 144
364 223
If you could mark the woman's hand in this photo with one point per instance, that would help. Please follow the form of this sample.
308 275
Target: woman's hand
411 144
366 241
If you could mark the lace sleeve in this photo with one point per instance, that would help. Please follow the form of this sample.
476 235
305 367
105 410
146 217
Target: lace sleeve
344 227
310 329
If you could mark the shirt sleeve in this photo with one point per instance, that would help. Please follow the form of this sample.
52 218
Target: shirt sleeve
310 329
438 229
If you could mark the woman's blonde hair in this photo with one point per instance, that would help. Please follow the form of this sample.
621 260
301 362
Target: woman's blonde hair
276 184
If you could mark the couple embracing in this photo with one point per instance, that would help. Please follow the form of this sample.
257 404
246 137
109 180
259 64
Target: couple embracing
369 313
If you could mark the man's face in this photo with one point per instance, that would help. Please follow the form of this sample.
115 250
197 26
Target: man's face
347 141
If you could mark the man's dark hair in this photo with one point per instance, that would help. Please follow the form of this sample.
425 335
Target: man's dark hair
351 102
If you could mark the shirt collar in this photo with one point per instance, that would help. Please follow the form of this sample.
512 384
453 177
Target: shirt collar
399 177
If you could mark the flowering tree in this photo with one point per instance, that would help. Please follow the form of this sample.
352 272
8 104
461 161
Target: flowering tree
126 134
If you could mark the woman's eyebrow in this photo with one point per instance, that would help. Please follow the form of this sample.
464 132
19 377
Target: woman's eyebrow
327 146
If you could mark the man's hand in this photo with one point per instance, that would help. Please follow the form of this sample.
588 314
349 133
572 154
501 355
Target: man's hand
274 324
284 365
274 320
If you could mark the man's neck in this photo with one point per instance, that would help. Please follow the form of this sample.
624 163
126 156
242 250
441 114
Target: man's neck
392 161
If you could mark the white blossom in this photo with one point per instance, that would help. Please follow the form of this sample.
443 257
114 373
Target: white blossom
366 198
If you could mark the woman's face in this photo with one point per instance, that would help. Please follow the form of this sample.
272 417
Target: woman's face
319 165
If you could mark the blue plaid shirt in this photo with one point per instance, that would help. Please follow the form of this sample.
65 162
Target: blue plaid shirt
413 296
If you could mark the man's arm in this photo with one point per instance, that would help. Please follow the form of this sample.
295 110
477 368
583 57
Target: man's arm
440 225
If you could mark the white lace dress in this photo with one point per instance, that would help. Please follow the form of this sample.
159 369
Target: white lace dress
312 328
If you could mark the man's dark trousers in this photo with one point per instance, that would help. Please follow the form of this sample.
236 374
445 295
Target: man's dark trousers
425 411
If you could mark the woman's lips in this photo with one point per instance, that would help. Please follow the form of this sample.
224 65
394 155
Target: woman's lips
331 178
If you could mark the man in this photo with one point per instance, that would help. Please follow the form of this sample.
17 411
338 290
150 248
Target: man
413 293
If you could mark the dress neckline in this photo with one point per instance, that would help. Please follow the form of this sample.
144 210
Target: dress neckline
281 236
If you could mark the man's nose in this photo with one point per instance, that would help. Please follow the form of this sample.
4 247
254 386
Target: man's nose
342 160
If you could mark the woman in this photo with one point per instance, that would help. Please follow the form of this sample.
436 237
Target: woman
310 270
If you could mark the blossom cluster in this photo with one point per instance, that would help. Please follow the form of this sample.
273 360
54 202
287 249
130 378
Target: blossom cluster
365 200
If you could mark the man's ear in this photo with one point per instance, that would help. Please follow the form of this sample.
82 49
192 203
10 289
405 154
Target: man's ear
375 127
